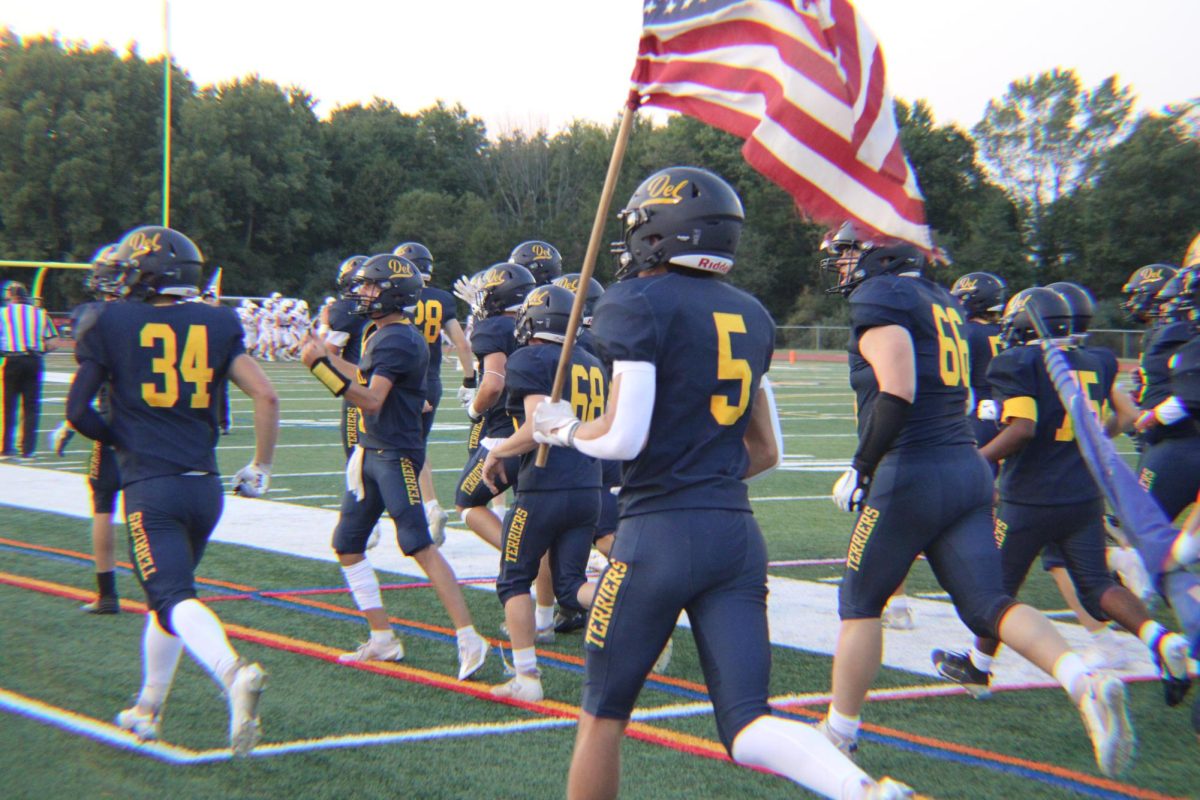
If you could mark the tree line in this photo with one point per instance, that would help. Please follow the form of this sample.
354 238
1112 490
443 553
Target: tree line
1056 181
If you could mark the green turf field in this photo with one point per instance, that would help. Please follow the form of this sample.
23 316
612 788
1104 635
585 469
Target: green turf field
412 730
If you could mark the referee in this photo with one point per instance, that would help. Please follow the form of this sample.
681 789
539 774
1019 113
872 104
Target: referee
25 333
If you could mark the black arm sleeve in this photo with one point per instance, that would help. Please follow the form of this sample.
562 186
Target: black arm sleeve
889 412
80 413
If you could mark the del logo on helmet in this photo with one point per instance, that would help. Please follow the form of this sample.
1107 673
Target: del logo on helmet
541 251
142 244
968 285
399 269
661 191
538 297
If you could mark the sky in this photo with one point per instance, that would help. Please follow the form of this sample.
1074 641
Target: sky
528 64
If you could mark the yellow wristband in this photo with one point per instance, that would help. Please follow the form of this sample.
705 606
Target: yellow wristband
333 380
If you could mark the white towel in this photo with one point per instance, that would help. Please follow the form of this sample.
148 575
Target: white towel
354 481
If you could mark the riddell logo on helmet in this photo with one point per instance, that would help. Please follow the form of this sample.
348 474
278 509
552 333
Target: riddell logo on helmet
662 191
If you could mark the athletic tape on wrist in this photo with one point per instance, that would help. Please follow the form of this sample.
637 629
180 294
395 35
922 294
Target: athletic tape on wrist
333 380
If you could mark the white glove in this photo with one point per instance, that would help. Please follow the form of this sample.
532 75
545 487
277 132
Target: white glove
466 291
466 395
554 423
850 491
252 480
62 434
987 410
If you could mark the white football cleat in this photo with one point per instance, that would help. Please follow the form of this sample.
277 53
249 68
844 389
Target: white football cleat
846 744
437 524
245 690
145 727
898 615
472 652
371 651
524 687
888 789
1102 706
1126 562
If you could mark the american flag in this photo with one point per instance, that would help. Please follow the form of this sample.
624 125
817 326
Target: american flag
802 82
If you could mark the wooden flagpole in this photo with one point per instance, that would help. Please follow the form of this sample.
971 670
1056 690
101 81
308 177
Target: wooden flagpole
589 259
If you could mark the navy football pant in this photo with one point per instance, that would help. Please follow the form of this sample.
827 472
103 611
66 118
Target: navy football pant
561 522
389 483
1170 471
104 479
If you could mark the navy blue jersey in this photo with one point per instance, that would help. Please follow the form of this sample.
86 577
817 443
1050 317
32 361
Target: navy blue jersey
163 365
494 335
935 320
434 309
1160 344
343 320
710 344
396 352
78 314
531 371
586 340
983 342
1048 471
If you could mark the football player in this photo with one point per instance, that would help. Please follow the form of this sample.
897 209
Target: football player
1047 494
344 336
982 294
162 358
690 415
501 291
388 387
435 316
556 506
918 484
542 259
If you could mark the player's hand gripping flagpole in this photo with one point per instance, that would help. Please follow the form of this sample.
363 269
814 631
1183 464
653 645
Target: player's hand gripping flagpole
589 258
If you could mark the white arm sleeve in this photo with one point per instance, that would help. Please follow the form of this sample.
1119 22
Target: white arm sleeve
776 431
631 418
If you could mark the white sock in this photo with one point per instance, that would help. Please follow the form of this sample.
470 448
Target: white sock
203 636
1104 637
543 617
160 657
846 726
432 506
801 754
1150 631
1070 671
386 636
525 660
981 660
466 634
364 585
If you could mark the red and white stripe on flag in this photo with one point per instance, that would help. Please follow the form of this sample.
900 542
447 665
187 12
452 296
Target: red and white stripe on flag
802 82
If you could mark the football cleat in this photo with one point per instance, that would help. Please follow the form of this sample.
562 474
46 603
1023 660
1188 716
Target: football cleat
472 652
145 727
847 745
371 651
1169 652
437 525
569 621
663 662
245 727
540 636
957 667
107 604
888 789
524 687
1126 562
1102 706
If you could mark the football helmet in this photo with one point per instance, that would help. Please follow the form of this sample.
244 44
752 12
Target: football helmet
545 314
1016 326
346 272
540 258
684 216
1142 288
595 291
503 287
980 293
418 254
399 283
153 260
849 271
1080 301
104 279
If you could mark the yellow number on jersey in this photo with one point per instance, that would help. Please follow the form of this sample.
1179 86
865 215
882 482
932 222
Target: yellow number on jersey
429 319
954 359
730 369
194 368
587 392
1089 384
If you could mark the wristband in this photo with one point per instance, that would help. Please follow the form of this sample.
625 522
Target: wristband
333 380
470 383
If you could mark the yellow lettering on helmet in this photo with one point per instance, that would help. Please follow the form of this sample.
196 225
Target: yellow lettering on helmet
571 284
967 285
661 191
493 277
141 244
540 251
399 268
537 297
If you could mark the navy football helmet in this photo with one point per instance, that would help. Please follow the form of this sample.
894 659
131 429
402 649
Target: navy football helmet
1016 326
104 278
399 282
540 258
874 260
684 216
595 291
418 254
152 260
981 293
1079 300
1142 289
346 272
503 287
545 314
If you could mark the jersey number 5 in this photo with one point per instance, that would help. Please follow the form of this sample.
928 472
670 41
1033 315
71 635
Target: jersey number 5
730 369
954 359
193 367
